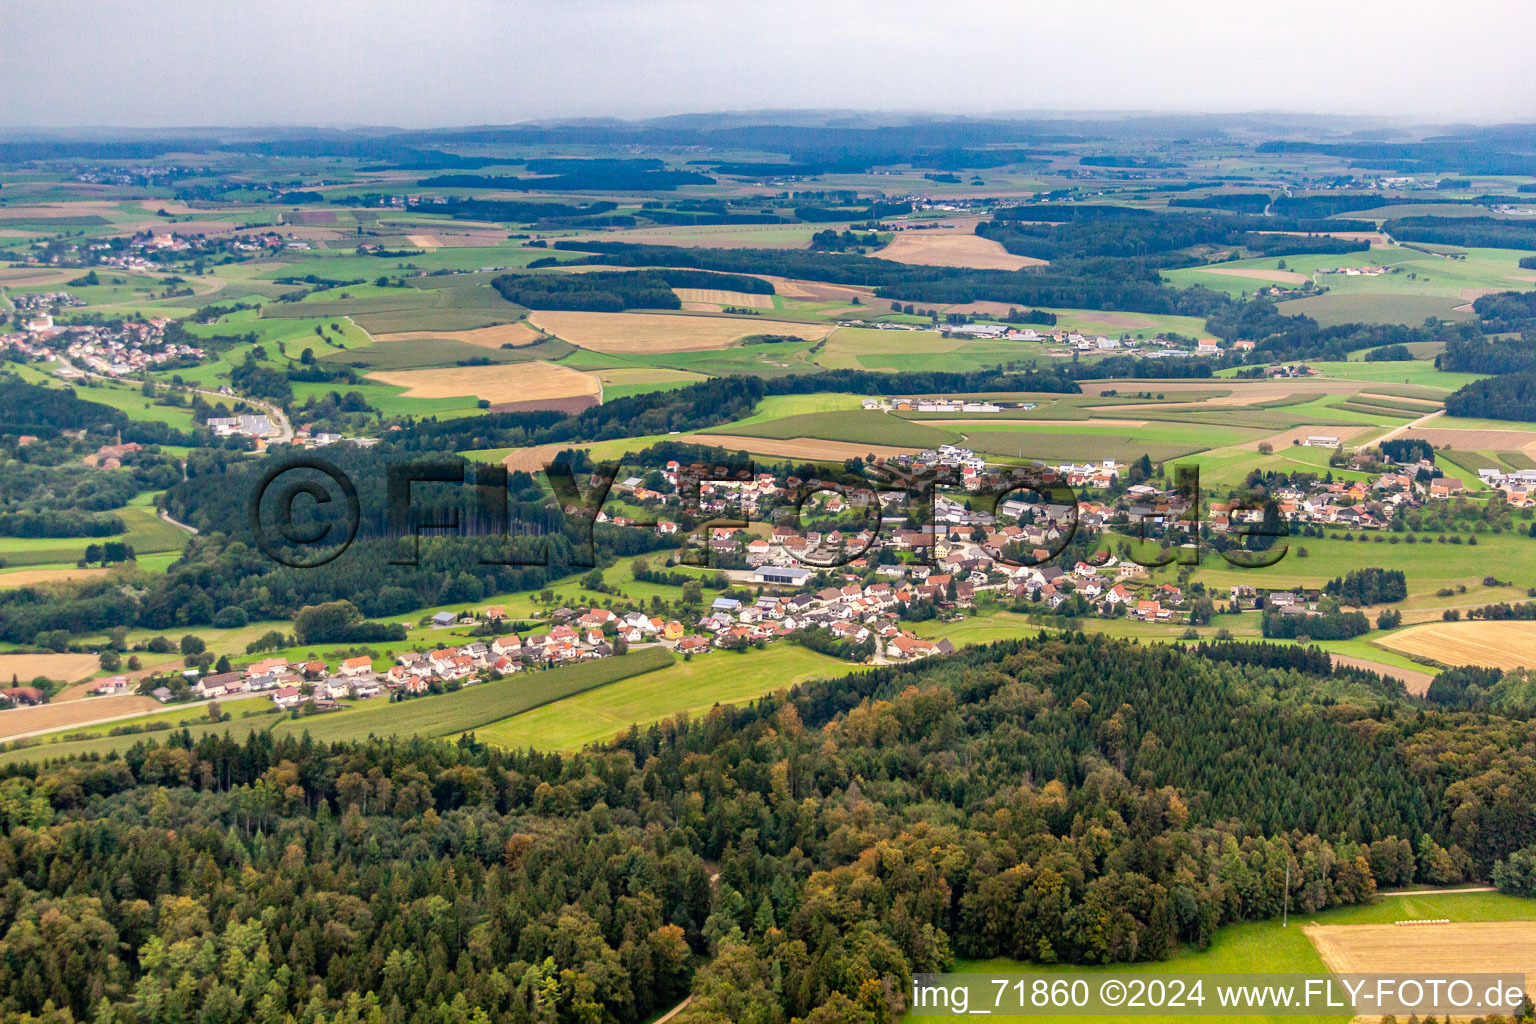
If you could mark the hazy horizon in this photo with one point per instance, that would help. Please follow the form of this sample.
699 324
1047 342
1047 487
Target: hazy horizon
181 63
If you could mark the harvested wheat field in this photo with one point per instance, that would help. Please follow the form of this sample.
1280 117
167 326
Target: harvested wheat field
809 448
47 717
425 241
534 459
1434 950
663 332
722 297
938 249
26 667
486 337
819 291
626 375
507 382
32 577
1506 645
1258 274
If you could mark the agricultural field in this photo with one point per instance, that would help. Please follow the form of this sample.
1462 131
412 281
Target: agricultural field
34 577
648 333
689 688
1457 947
856 426
1506 645
1266 946
952 249
146 531
475 707
67 668
22 721
1417 283
516 334
509 382
711 300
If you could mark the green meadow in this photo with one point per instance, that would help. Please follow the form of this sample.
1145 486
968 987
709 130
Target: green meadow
691 688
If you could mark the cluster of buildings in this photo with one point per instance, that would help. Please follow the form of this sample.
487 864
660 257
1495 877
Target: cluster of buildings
255 425
1352 271
941 405
111 350
44 302
287 682
1516 481
110 456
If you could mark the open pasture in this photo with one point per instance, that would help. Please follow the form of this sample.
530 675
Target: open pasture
621 382
146 531
1052 447
517 334
1258 274
848 347
474 707
723 236
663 332
855 425
807 449
1288 438
508 382
430 352
690 688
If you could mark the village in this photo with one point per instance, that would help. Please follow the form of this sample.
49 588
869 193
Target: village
112 351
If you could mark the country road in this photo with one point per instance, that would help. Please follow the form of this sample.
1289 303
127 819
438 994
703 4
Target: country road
274 412
109 718
177 522
1389 435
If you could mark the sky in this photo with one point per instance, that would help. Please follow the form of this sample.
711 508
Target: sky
431 63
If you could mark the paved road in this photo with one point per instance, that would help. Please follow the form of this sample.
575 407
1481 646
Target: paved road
73 726
274 413
177 522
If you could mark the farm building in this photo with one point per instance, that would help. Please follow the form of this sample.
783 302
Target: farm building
779 575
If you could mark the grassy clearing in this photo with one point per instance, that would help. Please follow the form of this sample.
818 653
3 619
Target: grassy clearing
428 352
1428 566
147 532
855 426
690 687
475 707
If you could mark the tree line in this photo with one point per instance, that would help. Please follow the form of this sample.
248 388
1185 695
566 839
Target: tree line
1064 799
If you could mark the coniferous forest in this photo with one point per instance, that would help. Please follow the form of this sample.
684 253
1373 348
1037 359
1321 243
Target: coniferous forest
1059 799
